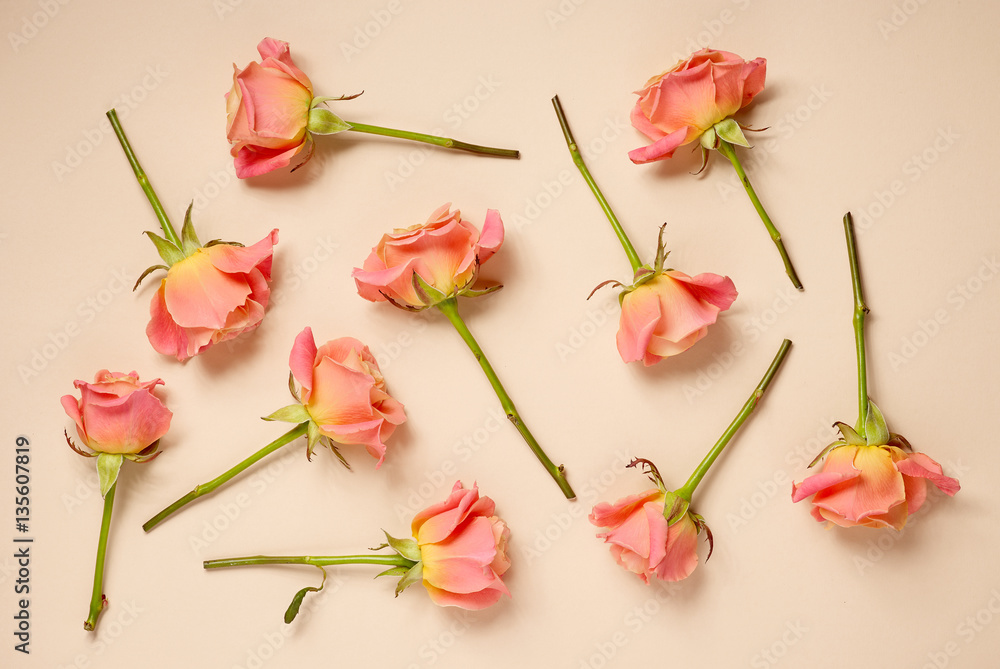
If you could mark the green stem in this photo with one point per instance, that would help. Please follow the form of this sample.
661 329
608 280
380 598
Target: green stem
699 473
147 188
445 142
860 311
206 488
633 257
729 151
449 308
394 560
97 598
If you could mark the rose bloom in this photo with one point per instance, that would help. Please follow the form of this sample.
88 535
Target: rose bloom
676 107
267 111
874 486
463 549
117 413
446 252
642 542
215 294
344 392
669 313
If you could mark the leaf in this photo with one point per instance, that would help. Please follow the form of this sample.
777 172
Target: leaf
325 122
170 253
293 413
108 466
293 608
189 239
414 575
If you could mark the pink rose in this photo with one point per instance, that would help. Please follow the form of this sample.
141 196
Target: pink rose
215 294
463 550
267 112
669 313
874 486
446 252
117 414
641 540
678 106
344 393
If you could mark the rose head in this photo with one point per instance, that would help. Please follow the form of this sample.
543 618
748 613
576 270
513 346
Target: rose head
680 105
667 314
267 112
874 486
463 550
117 414
445 252
643 542
214 294
343 391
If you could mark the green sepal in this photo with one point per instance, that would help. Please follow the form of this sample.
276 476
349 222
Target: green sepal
149 270
876 431
661 252
325 122
313 436
469 292
216 242
700 524
146 454
170 253
709 139
675 507
427 293
291 387
293 608
414 574
293 413
108 466
393 571
729 130
408 548
851 438
189 239
826 450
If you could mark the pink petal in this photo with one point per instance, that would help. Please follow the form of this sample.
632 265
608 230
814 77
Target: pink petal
921 466
278 51
877 490
492 235
613 515
640 317
71 406
242 260
396 282
818 482
753 74
681 556
473 601
301 360
340 396
169 338
718 291
198 295
129 426
252 161
437 522
660 149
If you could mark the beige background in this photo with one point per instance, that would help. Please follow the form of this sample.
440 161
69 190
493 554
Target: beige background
886 109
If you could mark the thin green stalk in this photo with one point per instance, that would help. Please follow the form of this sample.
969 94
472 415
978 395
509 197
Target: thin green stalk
206 488
394 560
449 308
729 151
699 473
860 311
97 599
445 142
633 257
147 188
